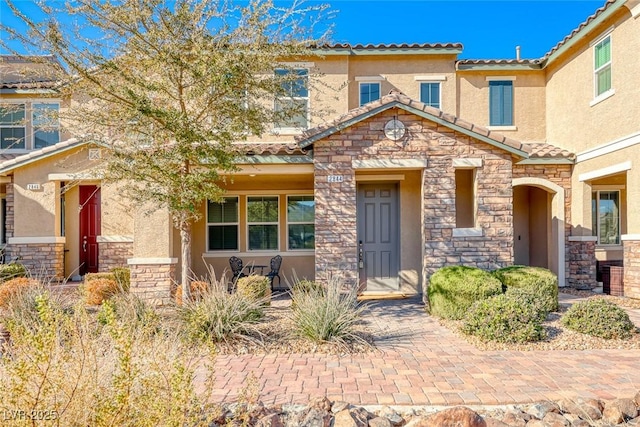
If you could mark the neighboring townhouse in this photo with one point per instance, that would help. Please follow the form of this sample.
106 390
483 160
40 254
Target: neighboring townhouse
420 160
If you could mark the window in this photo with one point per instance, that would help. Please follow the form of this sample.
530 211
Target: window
500 103
262 219
300 222
430 94
294 102
465 198
46 128
222 225
12 126
602 66
369 92
605 216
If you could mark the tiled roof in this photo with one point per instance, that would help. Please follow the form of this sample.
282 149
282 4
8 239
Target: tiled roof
499 61
573 33
28 72
542 150
10 164
393 46
396 99
258 148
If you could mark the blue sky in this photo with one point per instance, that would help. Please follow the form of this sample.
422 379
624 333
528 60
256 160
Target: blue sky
487 29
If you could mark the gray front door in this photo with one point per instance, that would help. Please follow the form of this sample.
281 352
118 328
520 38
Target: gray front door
378 236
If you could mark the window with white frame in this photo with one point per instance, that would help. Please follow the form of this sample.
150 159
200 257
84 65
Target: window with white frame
301 222
369 92
430 94
294 100
500 103
262 222
46 126
12 126
222 225
602 66
605 216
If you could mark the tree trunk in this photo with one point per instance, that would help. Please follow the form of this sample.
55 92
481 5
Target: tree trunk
185 249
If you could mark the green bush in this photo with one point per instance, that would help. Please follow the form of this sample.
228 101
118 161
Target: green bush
256 288
122 275
541 283
506 318
328 316
452 290
220 316
132 311
308 286
11 271
600 318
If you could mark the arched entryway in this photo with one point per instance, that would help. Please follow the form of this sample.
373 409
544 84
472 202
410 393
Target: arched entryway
538 225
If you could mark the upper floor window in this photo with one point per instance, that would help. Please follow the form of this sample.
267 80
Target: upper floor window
12 126
500 103
605 216
369 92
29 125
222 225
262 220
602 66
430 94
294 99
301 222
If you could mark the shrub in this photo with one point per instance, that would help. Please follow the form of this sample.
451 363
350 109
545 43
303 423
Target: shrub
98 290
600 318
220 316
122 275
132 312
541 283
197 287
506 318
96 276
329 316
13 270
11 288
452 290
256 288
308 286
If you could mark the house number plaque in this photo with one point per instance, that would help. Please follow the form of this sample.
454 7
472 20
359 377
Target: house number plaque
33 187
335 178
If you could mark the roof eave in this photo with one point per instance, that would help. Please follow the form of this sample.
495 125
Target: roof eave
11 165
547 161
497 67
388 51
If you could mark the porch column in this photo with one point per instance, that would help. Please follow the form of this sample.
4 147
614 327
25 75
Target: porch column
631 256
582 262
153 269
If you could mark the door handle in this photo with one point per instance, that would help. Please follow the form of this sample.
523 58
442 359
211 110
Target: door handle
360 255
84 244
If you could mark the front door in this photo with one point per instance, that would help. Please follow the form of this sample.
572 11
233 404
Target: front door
89 228
378 222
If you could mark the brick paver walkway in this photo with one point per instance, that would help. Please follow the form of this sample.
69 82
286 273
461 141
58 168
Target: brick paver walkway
419 362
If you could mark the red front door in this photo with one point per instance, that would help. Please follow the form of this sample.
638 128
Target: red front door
89 228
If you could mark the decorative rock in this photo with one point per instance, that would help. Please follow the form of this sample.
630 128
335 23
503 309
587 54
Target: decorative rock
540 409
321 403
492 422
310 417
380 422
637 398
460 416
612 414
347 418
536 423
516 418
581 423
626 406
388 413
339 406
552 419
634 422
271 420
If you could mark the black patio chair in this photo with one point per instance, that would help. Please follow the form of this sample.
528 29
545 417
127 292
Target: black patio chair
275 264
236 268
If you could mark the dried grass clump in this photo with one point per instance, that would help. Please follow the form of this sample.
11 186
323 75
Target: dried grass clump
197 287
11 288
98 290
254 287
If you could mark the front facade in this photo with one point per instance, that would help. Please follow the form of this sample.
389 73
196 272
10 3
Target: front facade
418 160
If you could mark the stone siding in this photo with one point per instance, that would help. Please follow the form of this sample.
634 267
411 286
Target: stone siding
582 264
9 218
153 282
631 268
336 230
114 254
43 260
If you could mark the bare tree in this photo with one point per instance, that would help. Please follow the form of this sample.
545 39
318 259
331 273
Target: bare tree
168 86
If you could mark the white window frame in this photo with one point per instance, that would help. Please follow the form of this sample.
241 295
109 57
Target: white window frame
34 129
603 189
606 94
368 82
439 83
276 223
289 129
237 224
24 103
300 223
29 128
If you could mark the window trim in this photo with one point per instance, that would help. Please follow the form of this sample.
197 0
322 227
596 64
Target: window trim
439 83
289 130
248 223
596 219
287 222
368 82
23 126
29 128
35 128
237 224
607 93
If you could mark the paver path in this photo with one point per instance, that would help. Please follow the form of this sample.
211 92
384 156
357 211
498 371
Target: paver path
419 362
